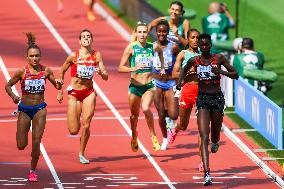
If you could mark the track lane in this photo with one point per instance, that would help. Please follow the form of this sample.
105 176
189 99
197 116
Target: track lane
176 161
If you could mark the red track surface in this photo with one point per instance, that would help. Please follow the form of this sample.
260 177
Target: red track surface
113 164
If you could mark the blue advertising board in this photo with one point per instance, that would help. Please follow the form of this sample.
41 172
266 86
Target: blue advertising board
259 111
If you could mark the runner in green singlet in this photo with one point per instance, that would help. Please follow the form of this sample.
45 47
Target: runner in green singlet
139 56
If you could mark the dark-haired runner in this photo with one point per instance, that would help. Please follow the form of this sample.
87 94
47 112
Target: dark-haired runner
31 107
210 101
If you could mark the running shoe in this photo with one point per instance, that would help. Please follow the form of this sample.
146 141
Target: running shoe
165 143
200 167
172 135
214 147
83 160
134 145
60 7
32 177
207 179
156 145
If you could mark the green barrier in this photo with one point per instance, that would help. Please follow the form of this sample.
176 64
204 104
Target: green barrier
189 13
260 75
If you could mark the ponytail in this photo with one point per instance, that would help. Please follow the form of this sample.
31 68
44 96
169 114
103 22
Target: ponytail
31 41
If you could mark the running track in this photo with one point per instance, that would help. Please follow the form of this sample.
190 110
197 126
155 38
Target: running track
113 164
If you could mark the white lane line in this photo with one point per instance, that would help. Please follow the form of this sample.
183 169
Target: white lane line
164 183
229 177
94 174
220 173
94 118
42 149
235 139
212 182
112 22
61 41
64 119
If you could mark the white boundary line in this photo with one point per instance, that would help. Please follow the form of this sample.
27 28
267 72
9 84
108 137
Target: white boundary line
42 149
116 26
252 156
230 135
61 41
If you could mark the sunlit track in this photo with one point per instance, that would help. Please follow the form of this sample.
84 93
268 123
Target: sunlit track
42 148
99 91
113 164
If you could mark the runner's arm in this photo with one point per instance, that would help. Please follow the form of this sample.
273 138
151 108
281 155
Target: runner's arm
14 79
177 66
125 60
183 72
51 78
154 23
102 69
69 60
231 71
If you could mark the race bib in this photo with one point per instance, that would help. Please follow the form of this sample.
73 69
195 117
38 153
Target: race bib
204 72
35 86
146 62
157 63
85 72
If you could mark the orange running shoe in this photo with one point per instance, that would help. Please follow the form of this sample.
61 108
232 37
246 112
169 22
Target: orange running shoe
60 7
91 15
156 145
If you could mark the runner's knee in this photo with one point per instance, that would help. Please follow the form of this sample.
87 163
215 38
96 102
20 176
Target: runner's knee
73 131
134 117
204 137
161 113
146 110
21 146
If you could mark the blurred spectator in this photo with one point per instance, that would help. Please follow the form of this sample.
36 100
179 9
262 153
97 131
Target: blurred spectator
59 6
218 22
90 14
249 59
179 26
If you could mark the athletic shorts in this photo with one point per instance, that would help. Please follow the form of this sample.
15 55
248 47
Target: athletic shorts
165 85
140 90
31 110
81 94
188 95
212 102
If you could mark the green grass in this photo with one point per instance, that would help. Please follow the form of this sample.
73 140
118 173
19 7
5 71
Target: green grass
130 22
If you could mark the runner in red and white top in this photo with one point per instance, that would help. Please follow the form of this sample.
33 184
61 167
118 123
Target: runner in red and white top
31 106
84 64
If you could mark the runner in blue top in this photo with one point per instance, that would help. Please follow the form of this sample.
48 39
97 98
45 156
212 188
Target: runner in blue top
164 96
179 26
139 56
